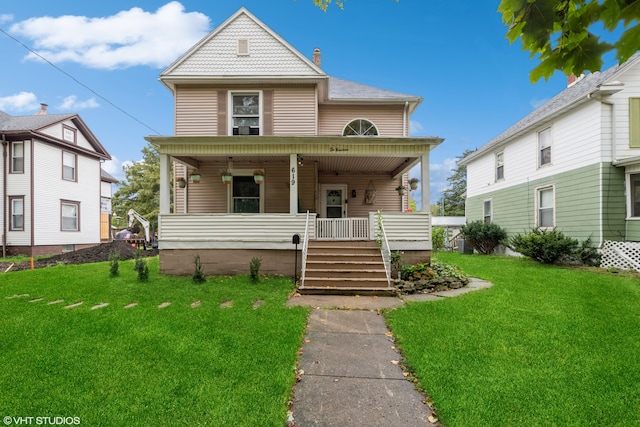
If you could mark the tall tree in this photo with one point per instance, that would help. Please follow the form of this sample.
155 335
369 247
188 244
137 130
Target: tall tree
140 190
561 33
454 196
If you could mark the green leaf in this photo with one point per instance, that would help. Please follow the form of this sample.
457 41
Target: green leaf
628 43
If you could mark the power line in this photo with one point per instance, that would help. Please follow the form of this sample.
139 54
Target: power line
79 82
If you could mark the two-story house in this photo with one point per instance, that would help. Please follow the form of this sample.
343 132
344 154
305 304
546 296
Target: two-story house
573 163
330 154
51 184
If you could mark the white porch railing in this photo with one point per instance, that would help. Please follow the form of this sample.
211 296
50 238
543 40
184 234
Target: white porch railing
342 229
305 249
384 247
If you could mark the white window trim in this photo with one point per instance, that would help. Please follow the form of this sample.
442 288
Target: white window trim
365 119
629 198
12 200
72 132
551 187
497 166
539 148
13 144
231 93
490 208
244 172
77 205
75 166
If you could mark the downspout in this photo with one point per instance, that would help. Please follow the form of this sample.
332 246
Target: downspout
613 159
405 119
4 197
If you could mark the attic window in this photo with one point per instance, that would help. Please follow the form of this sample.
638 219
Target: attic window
360 127
243 47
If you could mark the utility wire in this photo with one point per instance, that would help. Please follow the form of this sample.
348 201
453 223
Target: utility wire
79 82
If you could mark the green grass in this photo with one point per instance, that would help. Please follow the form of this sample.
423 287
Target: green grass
545 346
146 366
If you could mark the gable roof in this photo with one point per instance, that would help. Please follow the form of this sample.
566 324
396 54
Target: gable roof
347 91
107 177
216 56
34 124
569 98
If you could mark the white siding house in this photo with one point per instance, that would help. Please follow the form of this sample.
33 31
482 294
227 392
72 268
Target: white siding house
572 164
52 198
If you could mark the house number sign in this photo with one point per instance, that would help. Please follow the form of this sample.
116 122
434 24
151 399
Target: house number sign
293 176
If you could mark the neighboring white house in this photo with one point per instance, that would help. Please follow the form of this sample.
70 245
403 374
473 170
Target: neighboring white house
51 184
573 163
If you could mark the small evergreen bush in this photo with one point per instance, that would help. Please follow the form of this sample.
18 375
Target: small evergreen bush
114 263
141 267
483 237
198 275
546 246
437 238
254 269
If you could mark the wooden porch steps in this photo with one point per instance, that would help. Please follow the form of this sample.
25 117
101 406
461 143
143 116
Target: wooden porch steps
344 267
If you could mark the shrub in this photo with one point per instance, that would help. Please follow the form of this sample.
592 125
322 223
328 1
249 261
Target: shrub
437 238
546 246
114 263
140 266
198 275
588 254
425 278
254 269
483 237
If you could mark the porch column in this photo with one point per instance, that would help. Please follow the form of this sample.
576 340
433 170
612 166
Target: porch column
293 184
165 183
426 182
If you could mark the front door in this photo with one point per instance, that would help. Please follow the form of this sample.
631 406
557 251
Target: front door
333 201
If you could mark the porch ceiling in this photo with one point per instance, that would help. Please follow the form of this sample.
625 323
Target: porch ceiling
331 164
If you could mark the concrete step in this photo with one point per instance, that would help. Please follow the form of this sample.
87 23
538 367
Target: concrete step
346 274
345 265
345 283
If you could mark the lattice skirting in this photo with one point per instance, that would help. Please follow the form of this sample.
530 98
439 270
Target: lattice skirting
622 255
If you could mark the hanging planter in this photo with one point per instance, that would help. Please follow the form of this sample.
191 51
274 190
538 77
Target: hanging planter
258 176
181 182
195 177
401 190
413 183
226 176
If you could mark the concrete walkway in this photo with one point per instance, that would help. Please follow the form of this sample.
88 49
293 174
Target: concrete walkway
349 368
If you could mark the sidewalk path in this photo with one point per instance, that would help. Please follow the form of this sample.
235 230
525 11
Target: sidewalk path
351 377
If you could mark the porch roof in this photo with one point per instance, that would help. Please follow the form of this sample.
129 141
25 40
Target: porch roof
331 153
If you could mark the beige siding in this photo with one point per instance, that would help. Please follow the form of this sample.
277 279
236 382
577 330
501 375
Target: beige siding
294 111
333 118
196 110
387 198
209 195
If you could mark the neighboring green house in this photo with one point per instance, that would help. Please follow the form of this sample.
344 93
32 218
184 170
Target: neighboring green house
573 163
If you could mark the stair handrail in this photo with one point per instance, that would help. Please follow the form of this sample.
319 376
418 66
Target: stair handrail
305 248
385 250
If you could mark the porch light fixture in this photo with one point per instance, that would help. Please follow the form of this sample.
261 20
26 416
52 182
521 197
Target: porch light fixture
300 160
353 193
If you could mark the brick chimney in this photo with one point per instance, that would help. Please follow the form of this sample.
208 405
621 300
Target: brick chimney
317 57
43 110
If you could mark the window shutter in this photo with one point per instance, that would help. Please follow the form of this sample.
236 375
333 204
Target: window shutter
267 112
222 113
634 122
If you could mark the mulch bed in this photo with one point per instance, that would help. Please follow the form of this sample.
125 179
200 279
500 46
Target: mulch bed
97 253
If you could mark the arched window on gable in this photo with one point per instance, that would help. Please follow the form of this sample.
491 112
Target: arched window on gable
360 127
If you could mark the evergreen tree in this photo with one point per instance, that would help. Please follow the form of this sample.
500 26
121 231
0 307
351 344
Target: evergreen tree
454 196
140 190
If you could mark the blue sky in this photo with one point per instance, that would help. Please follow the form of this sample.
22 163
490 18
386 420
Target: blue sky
453 54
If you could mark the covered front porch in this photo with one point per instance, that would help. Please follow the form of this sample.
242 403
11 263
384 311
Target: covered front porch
320 188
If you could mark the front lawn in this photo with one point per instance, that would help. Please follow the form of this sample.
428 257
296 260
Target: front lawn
228 361
545 346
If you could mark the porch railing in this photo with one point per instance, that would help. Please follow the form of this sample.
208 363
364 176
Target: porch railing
342 228
385 250
305 249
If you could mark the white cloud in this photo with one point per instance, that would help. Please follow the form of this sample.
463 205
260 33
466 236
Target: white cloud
71 103
114 168
20 102
416 127
129 38
4 17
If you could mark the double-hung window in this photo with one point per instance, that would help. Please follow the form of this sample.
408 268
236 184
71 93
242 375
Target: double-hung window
16 205
499 166
487 210
544 147
245 113
17 157
245 194
70 213
635 195
545 217
68 166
